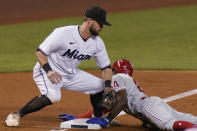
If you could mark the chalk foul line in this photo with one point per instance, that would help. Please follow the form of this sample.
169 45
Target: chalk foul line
179 96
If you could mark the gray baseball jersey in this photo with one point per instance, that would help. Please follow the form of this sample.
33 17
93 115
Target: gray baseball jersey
151 109
65 50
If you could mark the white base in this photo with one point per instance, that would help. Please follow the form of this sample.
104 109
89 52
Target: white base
80 124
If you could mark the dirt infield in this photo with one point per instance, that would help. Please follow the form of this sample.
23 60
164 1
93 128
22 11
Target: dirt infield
18 88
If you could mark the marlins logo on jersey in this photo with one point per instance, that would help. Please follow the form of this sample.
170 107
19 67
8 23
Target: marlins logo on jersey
76 55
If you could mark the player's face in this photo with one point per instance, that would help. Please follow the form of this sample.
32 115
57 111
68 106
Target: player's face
95 28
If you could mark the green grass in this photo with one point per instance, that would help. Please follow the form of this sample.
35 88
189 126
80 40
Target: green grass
163 39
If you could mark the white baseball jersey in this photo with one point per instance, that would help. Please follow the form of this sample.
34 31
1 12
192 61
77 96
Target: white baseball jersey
134 92
65 50
149 109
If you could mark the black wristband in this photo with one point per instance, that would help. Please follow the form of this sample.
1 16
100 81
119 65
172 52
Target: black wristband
109 66
47 67
108 83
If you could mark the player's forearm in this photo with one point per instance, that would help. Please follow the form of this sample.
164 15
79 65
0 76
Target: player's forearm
42 59
107 76
120 104
113 114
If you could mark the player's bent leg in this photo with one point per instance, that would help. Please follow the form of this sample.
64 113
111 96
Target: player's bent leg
88 84
37 103
51 93
157 112
96 101
184 116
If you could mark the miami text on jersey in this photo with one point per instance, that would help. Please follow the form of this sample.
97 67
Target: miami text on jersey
75 55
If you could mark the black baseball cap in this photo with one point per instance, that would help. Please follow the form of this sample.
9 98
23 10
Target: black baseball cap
98 14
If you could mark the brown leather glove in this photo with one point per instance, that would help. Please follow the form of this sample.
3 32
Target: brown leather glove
109 98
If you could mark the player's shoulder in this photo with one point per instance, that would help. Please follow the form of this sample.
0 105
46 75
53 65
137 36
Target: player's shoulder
67 31
66 28
97 39
98 43
121 76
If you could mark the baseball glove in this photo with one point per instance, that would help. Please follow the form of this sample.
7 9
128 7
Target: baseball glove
109 98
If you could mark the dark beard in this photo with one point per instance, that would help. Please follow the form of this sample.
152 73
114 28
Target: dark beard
93 32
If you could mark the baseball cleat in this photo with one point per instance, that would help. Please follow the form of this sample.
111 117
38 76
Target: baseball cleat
12 119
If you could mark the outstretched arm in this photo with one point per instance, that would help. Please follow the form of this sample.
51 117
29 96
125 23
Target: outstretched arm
107 76
119 106
116 109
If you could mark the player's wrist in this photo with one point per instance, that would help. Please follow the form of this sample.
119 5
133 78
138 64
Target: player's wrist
107 83
46 67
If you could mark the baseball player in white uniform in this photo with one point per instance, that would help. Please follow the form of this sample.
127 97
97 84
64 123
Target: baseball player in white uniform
58 57
151 110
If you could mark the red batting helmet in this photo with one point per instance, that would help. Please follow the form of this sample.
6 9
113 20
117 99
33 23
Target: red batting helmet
123 66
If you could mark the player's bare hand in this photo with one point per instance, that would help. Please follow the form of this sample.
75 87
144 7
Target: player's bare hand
54 77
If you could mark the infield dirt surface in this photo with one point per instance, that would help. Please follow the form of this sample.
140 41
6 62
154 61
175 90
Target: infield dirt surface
18 88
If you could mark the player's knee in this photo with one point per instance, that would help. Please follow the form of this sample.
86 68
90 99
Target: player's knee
54 95
54 98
